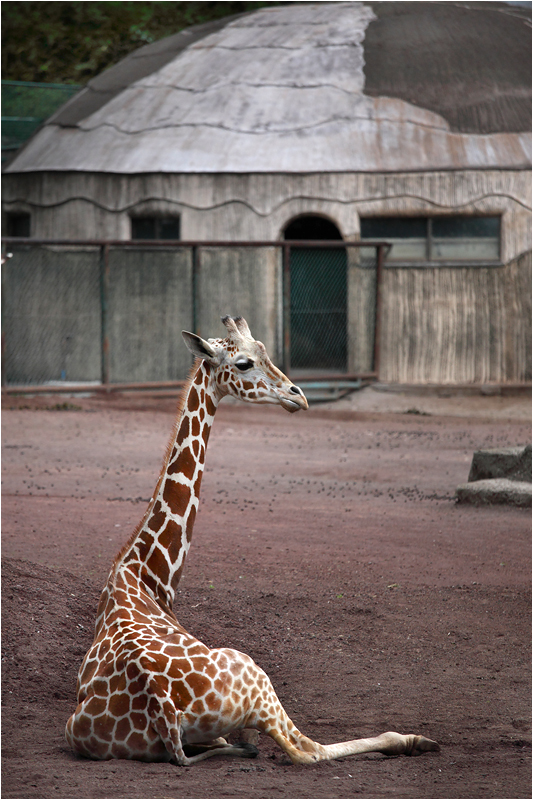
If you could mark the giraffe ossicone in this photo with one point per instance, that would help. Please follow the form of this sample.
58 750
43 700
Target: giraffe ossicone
147 689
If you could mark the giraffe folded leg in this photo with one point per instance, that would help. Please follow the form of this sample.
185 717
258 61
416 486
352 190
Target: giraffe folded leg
197 752
167 722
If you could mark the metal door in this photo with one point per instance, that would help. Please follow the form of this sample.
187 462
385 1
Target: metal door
318 309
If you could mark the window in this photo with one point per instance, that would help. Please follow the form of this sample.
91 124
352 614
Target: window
155 227
437 240
18 224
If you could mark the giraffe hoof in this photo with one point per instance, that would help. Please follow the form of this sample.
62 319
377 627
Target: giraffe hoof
247 750
423 745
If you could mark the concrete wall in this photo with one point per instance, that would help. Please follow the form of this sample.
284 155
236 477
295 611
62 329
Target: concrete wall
258 206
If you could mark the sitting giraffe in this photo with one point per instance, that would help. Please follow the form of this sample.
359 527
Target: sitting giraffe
147 689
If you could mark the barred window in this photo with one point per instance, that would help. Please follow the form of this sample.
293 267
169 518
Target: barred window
436 240
18 224
155 227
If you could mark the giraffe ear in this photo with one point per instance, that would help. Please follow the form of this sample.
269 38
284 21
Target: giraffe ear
200 348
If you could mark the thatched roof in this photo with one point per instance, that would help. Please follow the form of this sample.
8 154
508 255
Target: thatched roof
308 88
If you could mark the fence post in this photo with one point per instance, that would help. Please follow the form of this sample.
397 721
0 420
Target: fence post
196 265
379 299
104 307
286 308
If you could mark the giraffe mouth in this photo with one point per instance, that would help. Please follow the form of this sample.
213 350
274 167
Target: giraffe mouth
291 405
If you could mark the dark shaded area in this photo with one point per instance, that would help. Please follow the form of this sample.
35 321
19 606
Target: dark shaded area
72 42
312 227
318 297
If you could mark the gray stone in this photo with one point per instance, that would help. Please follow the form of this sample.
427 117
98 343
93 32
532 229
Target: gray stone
495 491
513 463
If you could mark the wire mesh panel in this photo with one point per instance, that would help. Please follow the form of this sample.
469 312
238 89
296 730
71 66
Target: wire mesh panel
51 315
112 312
318 315
149 303
240 281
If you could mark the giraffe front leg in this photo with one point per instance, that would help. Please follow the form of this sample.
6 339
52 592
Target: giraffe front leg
302 750
390 744
269 716
395 744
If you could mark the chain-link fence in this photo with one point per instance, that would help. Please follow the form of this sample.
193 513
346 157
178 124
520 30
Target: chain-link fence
319 294
27 105
112 312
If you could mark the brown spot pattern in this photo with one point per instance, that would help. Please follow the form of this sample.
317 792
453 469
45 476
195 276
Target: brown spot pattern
96 706
146 657
213 701
158 564
139 685
156 521
200 684
136 742
119 704
190 523
210 406
193 402
139 703
177 497
182 433
83 726
205 434
170 534
185 464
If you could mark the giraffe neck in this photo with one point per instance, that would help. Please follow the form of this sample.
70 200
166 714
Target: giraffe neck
156 553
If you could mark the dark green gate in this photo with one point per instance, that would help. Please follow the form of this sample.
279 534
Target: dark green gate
318 309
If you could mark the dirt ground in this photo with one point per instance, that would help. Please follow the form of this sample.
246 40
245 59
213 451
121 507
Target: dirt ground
328 547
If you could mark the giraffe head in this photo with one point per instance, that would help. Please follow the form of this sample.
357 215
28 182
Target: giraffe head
241 367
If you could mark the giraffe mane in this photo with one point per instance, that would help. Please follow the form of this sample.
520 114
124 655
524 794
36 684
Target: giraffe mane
168 451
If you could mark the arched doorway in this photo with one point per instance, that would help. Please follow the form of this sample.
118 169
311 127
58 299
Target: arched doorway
318 304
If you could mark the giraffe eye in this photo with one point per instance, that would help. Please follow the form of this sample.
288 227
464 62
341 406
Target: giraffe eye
244 365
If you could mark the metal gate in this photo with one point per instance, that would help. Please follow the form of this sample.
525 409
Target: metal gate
109 313
318 309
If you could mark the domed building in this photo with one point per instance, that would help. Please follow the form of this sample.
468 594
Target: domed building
403 122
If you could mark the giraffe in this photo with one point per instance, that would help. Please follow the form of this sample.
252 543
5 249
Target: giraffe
147 689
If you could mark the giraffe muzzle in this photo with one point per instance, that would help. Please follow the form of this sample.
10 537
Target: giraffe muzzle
293 399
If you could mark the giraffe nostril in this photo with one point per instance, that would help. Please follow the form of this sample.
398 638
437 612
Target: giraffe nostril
295 390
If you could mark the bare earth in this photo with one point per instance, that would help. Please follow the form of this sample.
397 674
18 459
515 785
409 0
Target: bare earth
328 547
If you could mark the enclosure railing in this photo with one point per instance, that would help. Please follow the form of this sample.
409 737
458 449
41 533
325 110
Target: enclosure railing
104 314
25 106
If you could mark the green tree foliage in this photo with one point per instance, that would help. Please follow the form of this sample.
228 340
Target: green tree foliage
64 42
